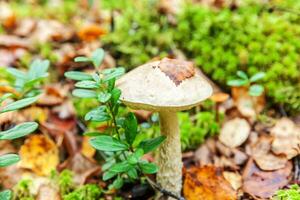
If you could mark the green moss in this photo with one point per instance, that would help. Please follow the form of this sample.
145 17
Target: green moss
140 34
249 39
293 193
86 192
22 190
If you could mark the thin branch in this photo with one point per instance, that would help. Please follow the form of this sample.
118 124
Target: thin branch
162 190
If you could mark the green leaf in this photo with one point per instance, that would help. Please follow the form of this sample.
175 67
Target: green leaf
148 168
257 77
113 73
256 90
8 159
151 144
96 78
108 175
132 173
104 97
242 75
38 70
130 127
97 57
83 93
5 195
82 59
135 157
99 115
237 82
5 96
120 167
78 76
115 95
92 134
19 131
16 73
87 84
19 104
118 183
107 143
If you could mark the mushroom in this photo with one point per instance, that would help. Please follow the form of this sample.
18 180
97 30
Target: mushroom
165 86
218 98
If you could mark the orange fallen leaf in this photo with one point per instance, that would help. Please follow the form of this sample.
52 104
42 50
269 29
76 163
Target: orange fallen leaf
86 149
90 32
207 183
39 154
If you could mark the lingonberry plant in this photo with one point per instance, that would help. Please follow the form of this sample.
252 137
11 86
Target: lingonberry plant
243 79
122 152
26 89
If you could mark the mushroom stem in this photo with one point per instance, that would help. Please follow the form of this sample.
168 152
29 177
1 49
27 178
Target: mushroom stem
169 160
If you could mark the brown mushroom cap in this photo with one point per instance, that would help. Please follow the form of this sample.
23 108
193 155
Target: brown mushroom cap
169 84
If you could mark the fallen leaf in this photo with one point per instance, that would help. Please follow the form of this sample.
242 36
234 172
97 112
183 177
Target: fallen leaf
234 132
39 154
263 156
86 149
52 95
7 16
234 178
286 138
203 156
25 27
263 184
207 183
247 105
13 42
91 32
48 192
82 167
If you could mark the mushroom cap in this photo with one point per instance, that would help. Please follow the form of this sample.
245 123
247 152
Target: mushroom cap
219 97
166 85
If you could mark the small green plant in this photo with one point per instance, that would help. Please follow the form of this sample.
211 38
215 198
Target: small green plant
22 190
117 143
64 181
27 85
85 192
243 79
292 193
194 131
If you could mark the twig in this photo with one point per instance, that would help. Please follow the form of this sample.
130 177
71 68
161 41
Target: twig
162 190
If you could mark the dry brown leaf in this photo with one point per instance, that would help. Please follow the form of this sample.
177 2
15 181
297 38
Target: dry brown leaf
207 183
35 113
247 105
86 149
13 42
48 192
91 32
234 132
234 178
263 156
177 70
82 167
39 154
25 27
286 138
263 184
52 95
203 155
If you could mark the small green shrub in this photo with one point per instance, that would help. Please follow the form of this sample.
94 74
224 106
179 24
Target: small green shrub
293 193
22 190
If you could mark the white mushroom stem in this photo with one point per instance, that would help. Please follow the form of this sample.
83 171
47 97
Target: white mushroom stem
169 160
